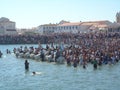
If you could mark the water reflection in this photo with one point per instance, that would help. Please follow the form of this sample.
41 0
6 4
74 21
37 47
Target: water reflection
26 71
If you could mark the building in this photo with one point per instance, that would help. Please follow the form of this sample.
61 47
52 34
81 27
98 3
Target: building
85 27
115 27
47 29
7 27
80 27
27 31
118 17
74 27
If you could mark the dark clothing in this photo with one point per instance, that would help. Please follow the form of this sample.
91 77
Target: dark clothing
42 56
75 63
0 54
95 64
26 65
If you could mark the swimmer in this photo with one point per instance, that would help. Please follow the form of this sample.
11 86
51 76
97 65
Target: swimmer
36 73
33 73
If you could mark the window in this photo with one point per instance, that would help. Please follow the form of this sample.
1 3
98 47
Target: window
49 27
64 27
76 27
67 27
43 28
72 27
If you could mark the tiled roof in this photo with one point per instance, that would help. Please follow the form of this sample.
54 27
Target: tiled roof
49 25
71 24
96 22
86 23
103 26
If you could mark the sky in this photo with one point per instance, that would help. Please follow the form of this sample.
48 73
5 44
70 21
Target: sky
32 13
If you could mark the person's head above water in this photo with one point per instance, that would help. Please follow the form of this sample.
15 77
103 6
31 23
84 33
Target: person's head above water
33 73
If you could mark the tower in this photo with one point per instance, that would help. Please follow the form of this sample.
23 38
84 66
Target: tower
118 17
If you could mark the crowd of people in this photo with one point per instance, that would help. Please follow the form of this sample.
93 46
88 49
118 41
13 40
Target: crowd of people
54 38
96 48
31 39
82 48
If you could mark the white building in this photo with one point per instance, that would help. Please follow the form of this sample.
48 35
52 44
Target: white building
68 27
46 29
80 27
7 27
74 27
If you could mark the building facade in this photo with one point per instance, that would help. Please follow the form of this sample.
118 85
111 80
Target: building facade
74 27
46 29
80 27
118 17
7 27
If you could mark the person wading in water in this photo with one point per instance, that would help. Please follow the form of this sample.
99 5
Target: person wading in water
26 65
1 54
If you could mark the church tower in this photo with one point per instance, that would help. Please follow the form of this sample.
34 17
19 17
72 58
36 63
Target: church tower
118 17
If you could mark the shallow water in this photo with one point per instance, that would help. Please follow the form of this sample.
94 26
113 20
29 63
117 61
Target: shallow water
54 77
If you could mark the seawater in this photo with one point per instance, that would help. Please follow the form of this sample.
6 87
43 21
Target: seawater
54 77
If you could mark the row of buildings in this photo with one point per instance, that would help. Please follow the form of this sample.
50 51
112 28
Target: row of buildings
74 27
80 27
8 27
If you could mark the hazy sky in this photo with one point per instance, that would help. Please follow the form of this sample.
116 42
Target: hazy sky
32 13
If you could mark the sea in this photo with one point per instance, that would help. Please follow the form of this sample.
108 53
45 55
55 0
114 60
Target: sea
13 75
